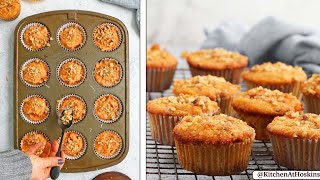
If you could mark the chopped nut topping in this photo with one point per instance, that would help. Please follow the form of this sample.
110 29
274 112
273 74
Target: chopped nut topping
72 72
276 67
35 72
312 86
107 37
67 116
107 144
108 72
4 3
158 57
31 139
72 37
36 37
107 108
35 108
73 144
78 105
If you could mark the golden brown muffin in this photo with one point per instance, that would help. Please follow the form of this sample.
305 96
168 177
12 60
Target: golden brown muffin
35 72
78 105
217 62
32 138
107 37
216 88
279 76
35 109
108 72
164 113
72 37
36 37
9 9
158 58
295 140
73 145
107 144
72 72
258 107
311 94
107 108
213 145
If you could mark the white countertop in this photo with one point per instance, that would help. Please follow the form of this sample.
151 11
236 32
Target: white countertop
130 165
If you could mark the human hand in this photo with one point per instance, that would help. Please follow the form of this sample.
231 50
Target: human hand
41 165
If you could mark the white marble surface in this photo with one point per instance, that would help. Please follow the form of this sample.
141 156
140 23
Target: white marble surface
130 164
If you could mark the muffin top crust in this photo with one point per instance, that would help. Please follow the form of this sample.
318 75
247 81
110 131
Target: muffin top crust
296 125
183 105
265 101
73 144
274 74
72 72
36 37
312 86
160 58
77 104
107 108
107 37
210 86
216 59
72 37
35 108
108 72
218 130
9 9
31 139
107 144
36 72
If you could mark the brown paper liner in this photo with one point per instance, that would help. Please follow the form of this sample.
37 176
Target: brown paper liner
214 160
296 154
159 79
231 75
259 123
294 88
312 103
225 105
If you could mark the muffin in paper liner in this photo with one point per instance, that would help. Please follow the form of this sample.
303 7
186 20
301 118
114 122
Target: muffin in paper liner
66 61
159 79
296 153
312 103
30 25
76 96
231 75
109 121
69 24
121 72
25 116
118 33
84 149
116 153
28 62
39 152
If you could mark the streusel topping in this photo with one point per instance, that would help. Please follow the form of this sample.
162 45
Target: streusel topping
72 72
36 37
107 144
31 139
73 144
107 37
312 86
160 58
108 72
35 72
35 108
107 107
72 37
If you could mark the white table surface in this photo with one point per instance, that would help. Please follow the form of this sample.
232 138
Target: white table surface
130 165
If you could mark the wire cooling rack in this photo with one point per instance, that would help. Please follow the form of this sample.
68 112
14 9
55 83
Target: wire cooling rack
162 161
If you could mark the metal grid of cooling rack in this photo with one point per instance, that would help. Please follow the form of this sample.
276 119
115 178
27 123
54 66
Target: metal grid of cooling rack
162 162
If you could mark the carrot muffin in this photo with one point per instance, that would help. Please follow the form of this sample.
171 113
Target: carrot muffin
35 72
35 109
311 94
295 140
36 37
107 37
217 62
165 112
259 106
72 72
72 37
107 108
108 72
217 145
32 138
9 9
216 88
161 66
75 102
73 145
107 144
279 76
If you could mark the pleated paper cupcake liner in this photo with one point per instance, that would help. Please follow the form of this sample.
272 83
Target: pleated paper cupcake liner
294 88
225 105
72 95
312 103
214 160
159 79
30 25
296 154
231 75
68 60
119 35
25 116
28 62
33 132
108 157
84 149
121 73
109 121
69 24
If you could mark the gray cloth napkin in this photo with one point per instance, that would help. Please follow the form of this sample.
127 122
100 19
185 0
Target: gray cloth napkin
130 4
271 39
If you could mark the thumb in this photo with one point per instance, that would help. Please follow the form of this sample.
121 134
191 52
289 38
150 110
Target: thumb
52 161
33 149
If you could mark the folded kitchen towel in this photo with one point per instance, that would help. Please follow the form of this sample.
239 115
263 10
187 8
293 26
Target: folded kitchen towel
130 4
271 39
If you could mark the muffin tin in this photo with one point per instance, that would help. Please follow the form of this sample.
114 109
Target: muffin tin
89 89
